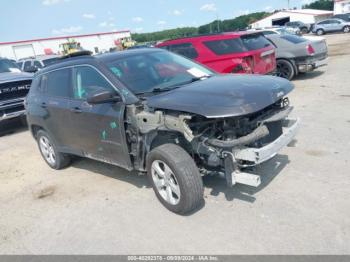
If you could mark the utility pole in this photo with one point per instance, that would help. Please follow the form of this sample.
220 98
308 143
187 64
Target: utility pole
218 22
288 4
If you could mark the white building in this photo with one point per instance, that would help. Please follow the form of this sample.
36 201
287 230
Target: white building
341 6
92 42
308 16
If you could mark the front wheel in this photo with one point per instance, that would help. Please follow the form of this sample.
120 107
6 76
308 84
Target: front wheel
346 29
285 69
175 178
319 32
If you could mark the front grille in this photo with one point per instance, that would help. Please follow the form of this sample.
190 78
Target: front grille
13 90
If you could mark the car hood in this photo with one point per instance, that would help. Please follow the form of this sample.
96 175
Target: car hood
14 76
224 95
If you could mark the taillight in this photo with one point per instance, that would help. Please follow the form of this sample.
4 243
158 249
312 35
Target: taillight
310 49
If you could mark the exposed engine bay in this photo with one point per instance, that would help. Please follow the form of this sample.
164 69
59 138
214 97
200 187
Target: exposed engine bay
216 144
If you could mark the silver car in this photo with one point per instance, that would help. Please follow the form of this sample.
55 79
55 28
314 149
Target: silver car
295 54
331 25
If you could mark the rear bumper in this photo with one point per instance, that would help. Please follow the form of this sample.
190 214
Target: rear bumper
311 63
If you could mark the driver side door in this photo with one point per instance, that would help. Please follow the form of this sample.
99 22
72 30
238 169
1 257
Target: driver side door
99 128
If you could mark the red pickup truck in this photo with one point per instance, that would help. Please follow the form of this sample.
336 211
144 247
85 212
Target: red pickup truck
233 52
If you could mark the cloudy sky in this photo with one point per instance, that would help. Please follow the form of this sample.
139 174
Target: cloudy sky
22 20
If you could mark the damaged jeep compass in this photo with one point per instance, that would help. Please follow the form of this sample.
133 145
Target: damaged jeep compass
163 115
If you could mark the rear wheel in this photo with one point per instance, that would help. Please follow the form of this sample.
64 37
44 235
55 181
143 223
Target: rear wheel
319 32
48 150
304 30
346 29
175 178
285 69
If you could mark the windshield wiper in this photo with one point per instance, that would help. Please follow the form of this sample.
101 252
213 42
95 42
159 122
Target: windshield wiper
169 88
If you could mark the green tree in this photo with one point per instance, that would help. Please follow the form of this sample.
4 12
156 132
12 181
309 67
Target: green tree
321 5
237 23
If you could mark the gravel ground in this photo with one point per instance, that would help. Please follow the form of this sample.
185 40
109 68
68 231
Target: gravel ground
302 206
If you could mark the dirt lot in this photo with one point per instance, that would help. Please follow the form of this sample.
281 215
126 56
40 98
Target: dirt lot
302 206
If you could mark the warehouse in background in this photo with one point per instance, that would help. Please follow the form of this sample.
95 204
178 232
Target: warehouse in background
307 16
99 42
341 7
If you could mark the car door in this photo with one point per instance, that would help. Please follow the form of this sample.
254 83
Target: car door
97 130
333 25
57 88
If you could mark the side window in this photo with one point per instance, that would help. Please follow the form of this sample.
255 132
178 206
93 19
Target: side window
20 64
58 83
226 46
326 22
186 49
87 80
37 64
27 64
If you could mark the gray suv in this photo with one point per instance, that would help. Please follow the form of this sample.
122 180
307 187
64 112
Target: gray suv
331 25
163 115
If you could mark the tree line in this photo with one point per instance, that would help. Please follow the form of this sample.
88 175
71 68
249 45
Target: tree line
237 23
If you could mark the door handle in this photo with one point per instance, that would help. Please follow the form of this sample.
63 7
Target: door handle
76 110
43 105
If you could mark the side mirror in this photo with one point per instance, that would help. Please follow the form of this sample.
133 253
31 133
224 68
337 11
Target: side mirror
31 69
101 97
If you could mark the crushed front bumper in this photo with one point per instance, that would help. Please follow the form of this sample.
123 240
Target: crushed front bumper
256 156
259 155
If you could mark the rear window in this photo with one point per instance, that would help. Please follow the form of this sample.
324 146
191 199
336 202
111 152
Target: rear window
238 45
185 49
226 46
49 61
293 39
255 41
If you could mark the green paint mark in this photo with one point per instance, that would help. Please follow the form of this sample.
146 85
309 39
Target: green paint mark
113 125
104 134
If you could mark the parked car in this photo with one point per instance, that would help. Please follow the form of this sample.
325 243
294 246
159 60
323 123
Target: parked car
286 31
14 86
296 54
236 52
331 25
32 65
304 28
159 113
345 17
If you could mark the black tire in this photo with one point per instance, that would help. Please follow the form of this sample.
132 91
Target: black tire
285 69
304 30
319 32
61 160
186 174
346 29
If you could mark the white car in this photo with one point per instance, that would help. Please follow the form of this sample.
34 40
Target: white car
287 31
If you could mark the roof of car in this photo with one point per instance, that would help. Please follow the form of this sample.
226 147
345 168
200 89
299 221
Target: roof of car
208 36
89 59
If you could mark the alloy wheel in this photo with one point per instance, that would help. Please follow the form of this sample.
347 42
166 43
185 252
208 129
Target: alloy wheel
47 150
165 182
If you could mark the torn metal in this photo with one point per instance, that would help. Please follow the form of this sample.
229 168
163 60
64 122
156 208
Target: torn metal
227 144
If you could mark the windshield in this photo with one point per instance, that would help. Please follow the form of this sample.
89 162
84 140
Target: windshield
7 66
156 71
